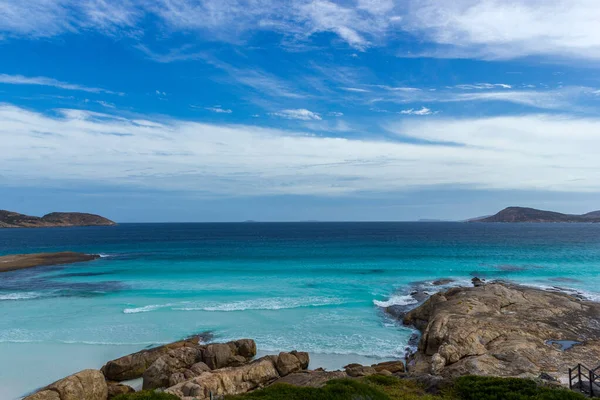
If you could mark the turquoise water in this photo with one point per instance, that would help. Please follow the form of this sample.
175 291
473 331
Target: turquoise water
316 287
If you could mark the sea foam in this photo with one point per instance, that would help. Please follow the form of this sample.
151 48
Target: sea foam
277 303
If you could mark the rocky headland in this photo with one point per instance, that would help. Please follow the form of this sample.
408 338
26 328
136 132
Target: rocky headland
502 329
524 214
21 261
491 329
10 219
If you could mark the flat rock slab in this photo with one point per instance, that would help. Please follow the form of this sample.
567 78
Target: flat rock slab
21 261
503 329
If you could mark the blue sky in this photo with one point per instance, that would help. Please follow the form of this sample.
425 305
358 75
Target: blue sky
181 110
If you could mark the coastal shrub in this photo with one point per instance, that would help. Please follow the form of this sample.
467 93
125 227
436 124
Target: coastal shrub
146 395
491 388
339 389
401 389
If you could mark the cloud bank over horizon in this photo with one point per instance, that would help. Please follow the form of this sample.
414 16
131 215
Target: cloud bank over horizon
336 101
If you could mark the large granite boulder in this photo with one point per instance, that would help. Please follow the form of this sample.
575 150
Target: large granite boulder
504 330
219 355
393 367
158 374
228 381
134 365
184 363
88 384
358 370
317 378
291 362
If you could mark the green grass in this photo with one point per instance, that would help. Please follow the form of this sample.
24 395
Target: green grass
146 395
378 387
339 389
490 388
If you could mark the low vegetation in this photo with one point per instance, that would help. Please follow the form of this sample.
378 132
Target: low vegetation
146 395
379 387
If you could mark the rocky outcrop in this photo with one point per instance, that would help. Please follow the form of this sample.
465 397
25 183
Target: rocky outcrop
134 365
190 361
21 261
85 385
503 330
9 219
241 379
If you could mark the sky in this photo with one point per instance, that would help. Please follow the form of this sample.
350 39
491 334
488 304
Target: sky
288 110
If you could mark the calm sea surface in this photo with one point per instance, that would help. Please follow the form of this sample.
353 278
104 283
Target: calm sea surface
317 287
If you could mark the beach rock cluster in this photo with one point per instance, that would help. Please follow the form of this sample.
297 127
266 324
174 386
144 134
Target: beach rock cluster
500 329
187 368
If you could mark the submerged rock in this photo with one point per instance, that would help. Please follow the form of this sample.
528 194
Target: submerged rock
88 384
503 330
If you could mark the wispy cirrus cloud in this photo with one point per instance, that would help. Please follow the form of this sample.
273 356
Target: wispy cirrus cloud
421 111
486 29
300 114
44 81
219 110
483 86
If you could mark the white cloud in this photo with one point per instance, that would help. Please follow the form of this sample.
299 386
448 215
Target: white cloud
300 113
412 111
533 152
481 86
219 110
552 99
507 29
335 114
105 104
489 29
356 90
43 81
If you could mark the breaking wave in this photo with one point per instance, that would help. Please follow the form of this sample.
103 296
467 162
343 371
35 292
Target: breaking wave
279 303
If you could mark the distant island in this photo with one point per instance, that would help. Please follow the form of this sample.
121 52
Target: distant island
523 214
10 219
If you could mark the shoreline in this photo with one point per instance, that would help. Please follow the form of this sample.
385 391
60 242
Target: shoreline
15 262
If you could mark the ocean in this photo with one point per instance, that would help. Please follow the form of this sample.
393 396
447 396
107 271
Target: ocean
316 287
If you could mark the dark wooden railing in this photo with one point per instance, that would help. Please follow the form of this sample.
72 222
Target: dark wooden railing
585 380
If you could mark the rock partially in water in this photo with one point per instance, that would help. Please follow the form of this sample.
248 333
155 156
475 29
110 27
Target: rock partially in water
478 282
88 384
442 282
502 330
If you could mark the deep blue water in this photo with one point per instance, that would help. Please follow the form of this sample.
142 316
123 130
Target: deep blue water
309 286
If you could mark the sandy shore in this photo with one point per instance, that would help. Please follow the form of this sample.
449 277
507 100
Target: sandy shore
22 261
